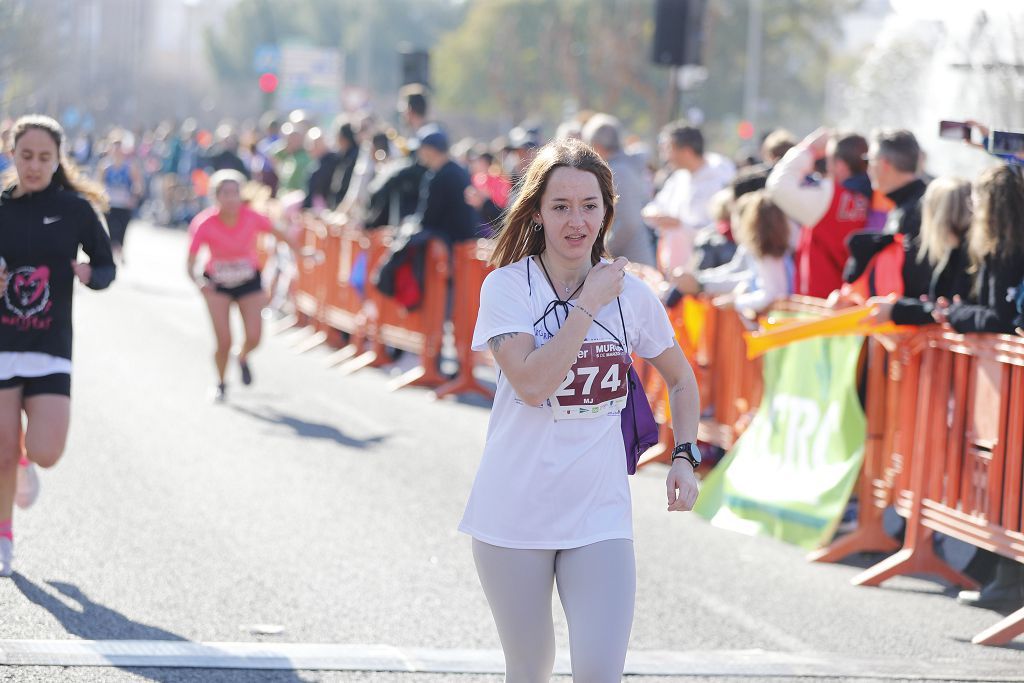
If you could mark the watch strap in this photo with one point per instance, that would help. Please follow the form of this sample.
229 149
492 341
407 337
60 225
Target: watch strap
685 450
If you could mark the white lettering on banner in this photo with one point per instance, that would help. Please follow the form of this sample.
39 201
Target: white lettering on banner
807 431
593 387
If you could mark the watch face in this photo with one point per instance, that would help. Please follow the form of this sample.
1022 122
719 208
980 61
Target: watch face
690 452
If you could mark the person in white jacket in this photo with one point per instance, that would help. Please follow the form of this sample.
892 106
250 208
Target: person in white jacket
761 272
681 209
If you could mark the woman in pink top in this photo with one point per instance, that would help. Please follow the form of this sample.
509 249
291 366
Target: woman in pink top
230 231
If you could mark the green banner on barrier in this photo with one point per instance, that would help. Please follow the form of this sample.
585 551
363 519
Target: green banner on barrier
791 472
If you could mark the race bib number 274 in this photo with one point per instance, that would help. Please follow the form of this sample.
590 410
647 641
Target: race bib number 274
595 385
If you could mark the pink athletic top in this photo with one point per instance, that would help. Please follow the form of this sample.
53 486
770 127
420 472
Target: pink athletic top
228 243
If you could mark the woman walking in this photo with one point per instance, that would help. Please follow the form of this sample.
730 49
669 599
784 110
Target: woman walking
551 501
230 231
45 218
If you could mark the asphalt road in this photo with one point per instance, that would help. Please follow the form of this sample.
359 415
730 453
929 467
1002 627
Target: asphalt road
325 507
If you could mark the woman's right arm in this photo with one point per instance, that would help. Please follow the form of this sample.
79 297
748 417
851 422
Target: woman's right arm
196 240
536 374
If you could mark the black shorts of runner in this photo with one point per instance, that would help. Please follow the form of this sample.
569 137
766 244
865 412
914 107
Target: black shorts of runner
58 383
245 289
117 223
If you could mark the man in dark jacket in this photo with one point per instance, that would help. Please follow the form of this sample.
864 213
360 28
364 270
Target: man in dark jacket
893 158
443 209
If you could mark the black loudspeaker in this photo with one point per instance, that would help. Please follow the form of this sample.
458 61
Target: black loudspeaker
415 67
678 32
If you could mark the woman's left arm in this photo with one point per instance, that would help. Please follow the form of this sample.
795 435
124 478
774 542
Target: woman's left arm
684 401
94 239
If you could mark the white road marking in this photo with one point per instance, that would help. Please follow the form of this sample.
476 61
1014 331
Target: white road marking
755 664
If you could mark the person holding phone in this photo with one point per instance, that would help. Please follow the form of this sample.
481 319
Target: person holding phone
48 212
1004 145
551 501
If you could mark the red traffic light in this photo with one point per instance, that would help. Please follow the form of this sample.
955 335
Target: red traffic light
745 130
268 82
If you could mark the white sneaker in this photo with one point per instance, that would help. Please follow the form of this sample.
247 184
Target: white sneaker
28 486
6 555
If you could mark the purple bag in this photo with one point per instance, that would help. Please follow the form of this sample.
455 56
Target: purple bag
639 428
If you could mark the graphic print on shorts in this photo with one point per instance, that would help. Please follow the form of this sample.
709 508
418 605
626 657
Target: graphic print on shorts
28 291
595 384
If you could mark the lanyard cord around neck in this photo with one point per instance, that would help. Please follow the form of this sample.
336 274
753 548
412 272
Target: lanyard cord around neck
564 305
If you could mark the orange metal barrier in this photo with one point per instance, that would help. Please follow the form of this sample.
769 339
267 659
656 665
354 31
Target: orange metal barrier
388 324
310 284
730 385
469 268
966 437
351 259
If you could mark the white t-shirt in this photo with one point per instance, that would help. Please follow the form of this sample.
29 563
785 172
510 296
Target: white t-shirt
545 483
31 364
687 196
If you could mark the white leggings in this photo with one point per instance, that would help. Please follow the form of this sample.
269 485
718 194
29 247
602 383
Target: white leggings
597 587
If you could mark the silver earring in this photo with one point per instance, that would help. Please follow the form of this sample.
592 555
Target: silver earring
537 227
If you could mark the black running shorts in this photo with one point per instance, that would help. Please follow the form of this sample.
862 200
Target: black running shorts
245 289
58 383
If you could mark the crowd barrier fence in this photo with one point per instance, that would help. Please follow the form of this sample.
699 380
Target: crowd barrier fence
945 435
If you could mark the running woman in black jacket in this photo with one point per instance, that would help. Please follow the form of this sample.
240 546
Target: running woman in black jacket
46 216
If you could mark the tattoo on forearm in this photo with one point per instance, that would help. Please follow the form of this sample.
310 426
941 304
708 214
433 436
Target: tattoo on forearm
496 341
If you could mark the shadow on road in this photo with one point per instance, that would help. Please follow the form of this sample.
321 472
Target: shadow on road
312 430
91 621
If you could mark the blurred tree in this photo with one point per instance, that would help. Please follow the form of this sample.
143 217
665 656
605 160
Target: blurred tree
24 59
547 58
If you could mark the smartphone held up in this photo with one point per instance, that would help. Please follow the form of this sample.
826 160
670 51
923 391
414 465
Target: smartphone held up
1006 142
954 130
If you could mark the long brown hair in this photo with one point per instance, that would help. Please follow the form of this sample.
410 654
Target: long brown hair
763 227
517 237
67 176
996 230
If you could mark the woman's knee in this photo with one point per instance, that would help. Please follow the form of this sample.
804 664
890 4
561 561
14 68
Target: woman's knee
534 666
45 450
596 669
46 456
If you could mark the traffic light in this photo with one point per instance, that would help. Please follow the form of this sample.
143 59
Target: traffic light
268 82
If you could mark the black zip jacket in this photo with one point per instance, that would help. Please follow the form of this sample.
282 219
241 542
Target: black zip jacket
40 234
948 279
998 285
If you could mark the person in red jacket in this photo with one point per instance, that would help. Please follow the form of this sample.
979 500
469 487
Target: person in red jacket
829 210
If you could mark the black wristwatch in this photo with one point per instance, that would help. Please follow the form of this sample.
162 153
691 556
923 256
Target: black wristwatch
689 451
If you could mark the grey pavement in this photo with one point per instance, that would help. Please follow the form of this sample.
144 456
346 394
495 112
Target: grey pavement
325 506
